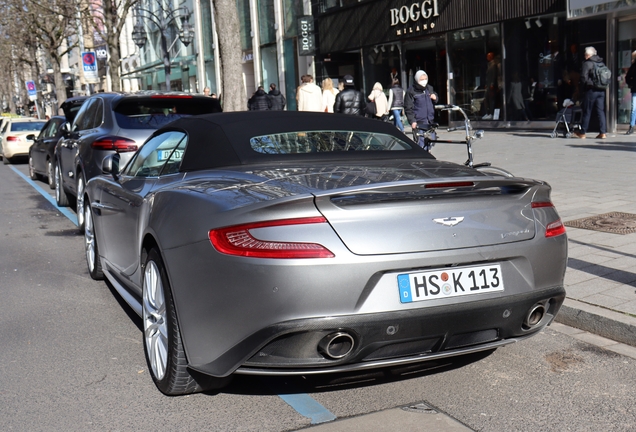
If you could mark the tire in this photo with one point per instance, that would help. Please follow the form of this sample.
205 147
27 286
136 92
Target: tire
93 262
553 135
60 195
163 347
32 173
51 174
568 135
79 203
5 160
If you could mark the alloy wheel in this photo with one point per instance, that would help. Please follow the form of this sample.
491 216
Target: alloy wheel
89 239
31 169
80 202
155 320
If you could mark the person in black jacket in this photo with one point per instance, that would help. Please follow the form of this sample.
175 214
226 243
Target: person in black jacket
259 101
349 101
594 98
277 98
630 79
419 104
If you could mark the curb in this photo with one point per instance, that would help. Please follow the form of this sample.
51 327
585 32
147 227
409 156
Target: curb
603 322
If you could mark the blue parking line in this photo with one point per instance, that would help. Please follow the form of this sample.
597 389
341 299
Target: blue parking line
306 406
66 212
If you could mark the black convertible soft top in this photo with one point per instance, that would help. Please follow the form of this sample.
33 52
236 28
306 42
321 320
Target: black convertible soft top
223 139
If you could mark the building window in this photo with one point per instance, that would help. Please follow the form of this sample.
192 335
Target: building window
475 63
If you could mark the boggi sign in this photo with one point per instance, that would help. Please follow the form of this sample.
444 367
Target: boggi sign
425 9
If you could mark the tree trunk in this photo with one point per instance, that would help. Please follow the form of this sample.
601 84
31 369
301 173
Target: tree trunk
60 87
113 63
233 94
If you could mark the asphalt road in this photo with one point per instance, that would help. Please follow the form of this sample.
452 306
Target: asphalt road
71 359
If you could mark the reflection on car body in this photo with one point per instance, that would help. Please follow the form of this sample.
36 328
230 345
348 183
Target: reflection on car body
286 243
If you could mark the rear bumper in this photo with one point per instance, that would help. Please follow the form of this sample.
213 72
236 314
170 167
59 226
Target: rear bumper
388 338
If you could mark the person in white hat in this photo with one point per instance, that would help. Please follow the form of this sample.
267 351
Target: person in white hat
419 104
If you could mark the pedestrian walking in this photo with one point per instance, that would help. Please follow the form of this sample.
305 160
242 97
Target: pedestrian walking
349 101
630 79
419 105
309 95
277 98
378 97
259 101
328 95
594 96
396 103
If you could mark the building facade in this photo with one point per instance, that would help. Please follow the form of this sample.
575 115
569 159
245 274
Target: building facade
269 44
480 53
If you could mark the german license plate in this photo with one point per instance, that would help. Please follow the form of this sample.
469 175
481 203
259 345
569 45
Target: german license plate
455 282
165 154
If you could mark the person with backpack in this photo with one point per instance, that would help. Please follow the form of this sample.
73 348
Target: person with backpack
595 77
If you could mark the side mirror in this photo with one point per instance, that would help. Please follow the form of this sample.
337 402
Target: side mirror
66 129
110 165
30 137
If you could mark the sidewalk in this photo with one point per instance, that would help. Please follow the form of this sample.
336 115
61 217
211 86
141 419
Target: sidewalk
589 177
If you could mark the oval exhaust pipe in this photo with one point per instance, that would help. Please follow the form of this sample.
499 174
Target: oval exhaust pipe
336 345
534 316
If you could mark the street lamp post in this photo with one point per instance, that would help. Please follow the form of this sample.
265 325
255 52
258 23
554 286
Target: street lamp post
163 20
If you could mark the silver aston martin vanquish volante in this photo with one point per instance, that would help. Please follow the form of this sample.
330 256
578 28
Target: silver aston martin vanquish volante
278 243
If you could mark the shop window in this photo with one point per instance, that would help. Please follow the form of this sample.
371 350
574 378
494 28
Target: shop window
543 59
243 7
626 46
266 19
476 78
269 63
292 10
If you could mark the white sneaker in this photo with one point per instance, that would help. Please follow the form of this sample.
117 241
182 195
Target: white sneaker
487 117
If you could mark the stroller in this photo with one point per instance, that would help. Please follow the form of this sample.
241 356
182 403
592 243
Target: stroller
568 119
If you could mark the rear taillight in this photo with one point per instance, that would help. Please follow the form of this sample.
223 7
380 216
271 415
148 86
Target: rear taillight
553 229
540 204
114 143
237 240
13 138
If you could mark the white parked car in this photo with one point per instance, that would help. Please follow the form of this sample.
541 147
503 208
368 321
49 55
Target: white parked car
13 136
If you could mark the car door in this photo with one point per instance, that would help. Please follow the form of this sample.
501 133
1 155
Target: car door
122 201
82 126
67 147
39 147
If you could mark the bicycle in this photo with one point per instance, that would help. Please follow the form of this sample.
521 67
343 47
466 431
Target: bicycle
429 137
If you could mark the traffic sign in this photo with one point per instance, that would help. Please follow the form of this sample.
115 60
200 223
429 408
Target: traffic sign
89 64
32 90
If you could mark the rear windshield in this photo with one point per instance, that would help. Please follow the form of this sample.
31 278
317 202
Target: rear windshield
326 142
152 113
27 126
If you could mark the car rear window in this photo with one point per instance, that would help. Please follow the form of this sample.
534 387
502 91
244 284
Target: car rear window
326 142
152 113
27 126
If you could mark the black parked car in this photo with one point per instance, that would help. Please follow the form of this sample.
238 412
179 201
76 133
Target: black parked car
42 151
109 123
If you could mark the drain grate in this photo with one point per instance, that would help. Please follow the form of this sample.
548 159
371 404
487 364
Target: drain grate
614 222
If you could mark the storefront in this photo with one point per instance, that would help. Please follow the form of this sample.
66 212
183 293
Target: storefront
506 62
620 16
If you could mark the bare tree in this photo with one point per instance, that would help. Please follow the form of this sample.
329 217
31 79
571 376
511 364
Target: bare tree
108 21
49 24
227 23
